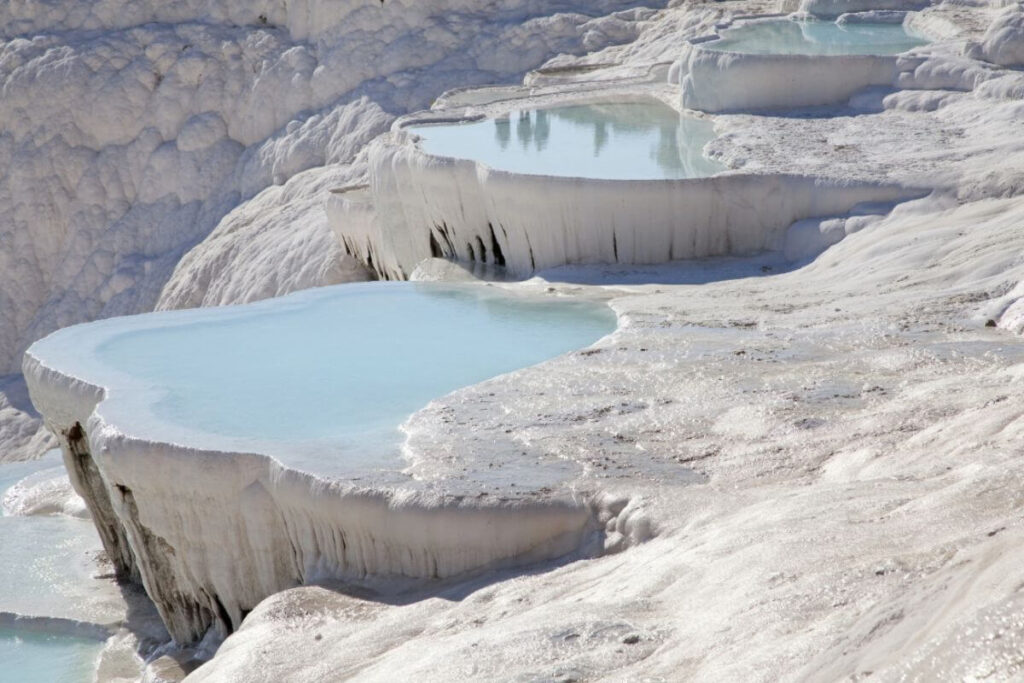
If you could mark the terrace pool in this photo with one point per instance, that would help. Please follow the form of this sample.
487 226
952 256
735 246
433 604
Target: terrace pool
620 141
810 37
322 379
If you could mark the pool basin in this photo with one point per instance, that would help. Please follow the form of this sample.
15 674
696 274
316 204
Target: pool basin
816 37
787 64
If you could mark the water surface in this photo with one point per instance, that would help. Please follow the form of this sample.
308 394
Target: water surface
785 36
30 657
48 574
51 563
322 379
623 141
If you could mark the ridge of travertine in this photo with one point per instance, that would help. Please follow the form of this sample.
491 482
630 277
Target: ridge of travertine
129 131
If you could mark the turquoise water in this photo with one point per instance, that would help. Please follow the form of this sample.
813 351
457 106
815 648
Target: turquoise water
785 36
623 141
321 379
29 657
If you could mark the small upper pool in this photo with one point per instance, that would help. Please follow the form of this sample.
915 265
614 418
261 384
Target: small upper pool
810 37
322 379
621 141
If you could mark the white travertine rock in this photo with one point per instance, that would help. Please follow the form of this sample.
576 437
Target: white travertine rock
861 443
129 130
49 495
21 435
857 429
1003 42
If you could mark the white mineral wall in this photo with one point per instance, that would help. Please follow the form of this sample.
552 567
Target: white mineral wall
720 81
458 209
1003 42
130 128
211 534
303 19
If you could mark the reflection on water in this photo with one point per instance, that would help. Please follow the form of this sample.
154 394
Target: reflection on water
622 141
784 36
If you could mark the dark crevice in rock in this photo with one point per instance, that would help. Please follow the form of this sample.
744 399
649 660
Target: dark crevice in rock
499 255
222 615
443 229
88 482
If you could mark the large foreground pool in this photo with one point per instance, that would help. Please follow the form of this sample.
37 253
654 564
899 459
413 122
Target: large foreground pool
785 36
321 379
621 141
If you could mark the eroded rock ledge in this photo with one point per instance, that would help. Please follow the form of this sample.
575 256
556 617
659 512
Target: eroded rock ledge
210 534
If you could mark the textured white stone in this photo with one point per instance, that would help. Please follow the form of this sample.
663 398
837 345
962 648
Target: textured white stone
1003 42
129 129
828 9
860 434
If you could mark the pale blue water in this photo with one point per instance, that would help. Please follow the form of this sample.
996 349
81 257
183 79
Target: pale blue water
45 572
321 379
785 36
48 565
623 141
48 561
13 472
28 657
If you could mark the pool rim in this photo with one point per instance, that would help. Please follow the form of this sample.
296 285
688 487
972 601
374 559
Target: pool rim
699 43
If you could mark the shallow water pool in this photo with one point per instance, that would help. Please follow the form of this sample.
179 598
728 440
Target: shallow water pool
51 563
29 657
622 141
49 589
322 379
785 36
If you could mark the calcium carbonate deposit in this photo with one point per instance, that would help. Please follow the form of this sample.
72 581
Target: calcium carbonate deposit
769 428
